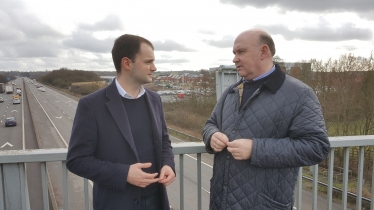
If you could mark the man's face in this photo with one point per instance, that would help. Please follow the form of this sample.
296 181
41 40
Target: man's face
143 67
247 56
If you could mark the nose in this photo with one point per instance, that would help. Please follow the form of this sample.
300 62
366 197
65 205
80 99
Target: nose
153 67
235 59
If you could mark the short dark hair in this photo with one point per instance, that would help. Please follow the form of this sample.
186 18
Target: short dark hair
266 39
128 46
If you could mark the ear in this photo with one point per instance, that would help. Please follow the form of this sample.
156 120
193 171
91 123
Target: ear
126 63
264 51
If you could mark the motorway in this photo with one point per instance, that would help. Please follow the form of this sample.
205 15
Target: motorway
11 137
50 114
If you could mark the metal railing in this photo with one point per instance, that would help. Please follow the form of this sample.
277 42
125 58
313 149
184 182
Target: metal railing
15 196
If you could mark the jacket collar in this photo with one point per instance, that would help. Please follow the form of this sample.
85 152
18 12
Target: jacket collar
273 83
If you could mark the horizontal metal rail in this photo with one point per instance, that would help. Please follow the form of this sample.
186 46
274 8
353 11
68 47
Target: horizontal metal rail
351 195
41 155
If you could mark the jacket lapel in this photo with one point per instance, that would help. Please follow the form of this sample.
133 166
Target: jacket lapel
117 109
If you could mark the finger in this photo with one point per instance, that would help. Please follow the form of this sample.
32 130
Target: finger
229 149
233 151
162 174
221 139
168 180
220 144
232 144
144 165
149 176
144 183
224 138
163 180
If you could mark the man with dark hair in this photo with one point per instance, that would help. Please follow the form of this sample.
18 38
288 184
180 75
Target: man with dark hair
261 131
119 138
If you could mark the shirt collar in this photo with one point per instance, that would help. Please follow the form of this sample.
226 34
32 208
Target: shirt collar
273 83
124 94
262 75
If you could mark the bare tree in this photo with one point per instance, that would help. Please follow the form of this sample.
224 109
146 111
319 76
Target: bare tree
278 60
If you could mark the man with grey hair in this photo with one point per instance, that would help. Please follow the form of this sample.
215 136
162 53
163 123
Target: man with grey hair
261 131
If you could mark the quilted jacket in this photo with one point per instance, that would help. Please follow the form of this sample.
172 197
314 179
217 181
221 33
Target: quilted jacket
284 120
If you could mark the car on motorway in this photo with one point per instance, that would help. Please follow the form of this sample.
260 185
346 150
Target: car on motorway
16 101
10 121
42 89
1 100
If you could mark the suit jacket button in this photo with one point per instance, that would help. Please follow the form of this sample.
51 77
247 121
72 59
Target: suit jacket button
136 201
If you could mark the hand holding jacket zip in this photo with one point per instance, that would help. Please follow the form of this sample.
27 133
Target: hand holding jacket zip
241 149
218 141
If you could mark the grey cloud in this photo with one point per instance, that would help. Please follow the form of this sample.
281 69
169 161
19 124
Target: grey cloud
85 41
321 32
8 34
226 42
36 49
171 61
170 45
109 23
347 47
308 6
28 44
20 24
23 35
12 65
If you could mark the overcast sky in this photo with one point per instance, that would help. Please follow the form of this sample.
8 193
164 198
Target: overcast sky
43 35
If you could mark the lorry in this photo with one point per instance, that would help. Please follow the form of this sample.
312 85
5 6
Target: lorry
2 88
8 89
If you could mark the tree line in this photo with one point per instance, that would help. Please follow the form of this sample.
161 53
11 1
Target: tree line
345 89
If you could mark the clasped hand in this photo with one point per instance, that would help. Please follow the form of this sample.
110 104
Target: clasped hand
138 177
241 149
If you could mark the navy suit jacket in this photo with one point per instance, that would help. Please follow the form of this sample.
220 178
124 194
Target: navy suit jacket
102 148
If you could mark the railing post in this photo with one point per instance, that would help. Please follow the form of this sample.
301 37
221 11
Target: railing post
330 183
2 203
24 188
360 176
181 174
315 187
198 162
65 185
372 188
16 193
300 189
86 203
345 179
43 169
